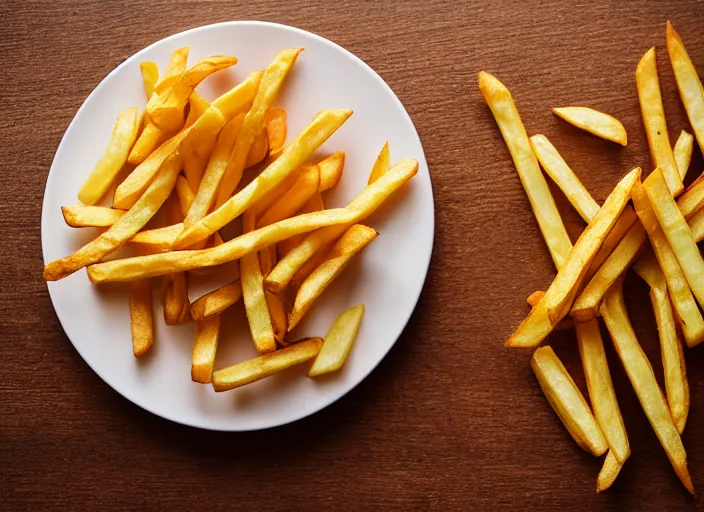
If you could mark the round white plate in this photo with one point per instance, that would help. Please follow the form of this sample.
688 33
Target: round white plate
388 275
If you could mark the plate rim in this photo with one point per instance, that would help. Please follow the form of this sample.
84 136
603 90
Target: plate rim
427 260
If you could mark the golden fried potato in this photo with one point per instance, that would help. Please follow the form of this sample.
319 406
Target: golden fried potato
141 316
83 216
217 301
150 77
331 170
382 164
276 129
609 472
205 346
595 122
683 152
338 342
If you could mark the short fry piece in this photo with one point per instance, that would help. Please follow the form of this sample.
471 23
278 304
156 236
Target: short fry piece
567 401
295 154
643 380
217 301
122 230
205 346
382 164
696 224
278 315
254 298
331 170
106 170
692 199
255 120
595 122
586 306
683 152
176 305
266 365
677 232
197 105
654 121
276 129
502 106
150 77
258 151
682 300
141 316
159 264
609 472
338 342
688 82
83 216
354 240
601 390
563 176
558 298
185 195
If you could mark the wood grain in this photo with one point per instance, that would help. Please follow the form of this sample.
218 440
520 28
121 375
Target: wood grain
450 420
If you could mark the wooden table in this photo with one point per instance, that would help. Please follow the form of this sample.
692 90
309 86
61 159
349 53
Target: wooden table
450 420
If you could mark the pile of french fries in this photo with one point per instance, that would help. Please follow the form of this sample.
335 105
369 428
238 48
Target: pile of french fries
188 159
657 236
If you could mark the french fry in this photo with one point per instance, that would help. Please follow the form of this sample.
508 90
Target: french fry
609 472
567 401
654 121
586 306
682 300
331 170
167 111
258 151
562 175
159 264
676 385
220 112
185 195
205 346
595 122
305 186
253 293
176 304
641 375
122 230
151 135
601 389
197 107
217 301
82 216
688 83
106 170
158 239
504 110
150 77
677 232
696 224
558 298
683 152
278 315
295 154
314 204
254 120
615 237
352 241
141 316
692 199
276 129
382 164
265 365
338 342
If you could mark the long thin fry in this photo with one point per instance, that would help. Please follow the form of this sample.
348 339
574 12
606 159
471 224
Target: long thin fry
295 154
502 106
692 199
688 83
141 316
559 296
150 77
176 305
609 472
643 380
82 216
683 152
159 264
122 230
254 121
265 365
106 170
677 232
293 200
696 224
682 300
382 164
314 204
197 105
254 298
352 242
567 401
205 346
654 120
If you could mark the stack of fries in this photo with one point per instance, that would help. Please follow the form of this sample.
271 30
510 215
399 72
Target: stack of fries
588 284
187 157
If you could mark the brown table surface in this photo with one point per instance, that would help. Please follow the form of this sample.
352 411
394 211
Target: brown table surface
450 420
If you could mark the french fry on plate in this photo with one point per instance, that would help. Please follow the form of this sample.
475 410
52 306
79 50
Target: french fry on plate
217 301
205 346
338 342
141 316
84 216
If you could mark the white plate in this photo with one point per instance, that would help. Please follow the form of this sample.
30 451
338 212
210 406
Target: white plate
387 277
